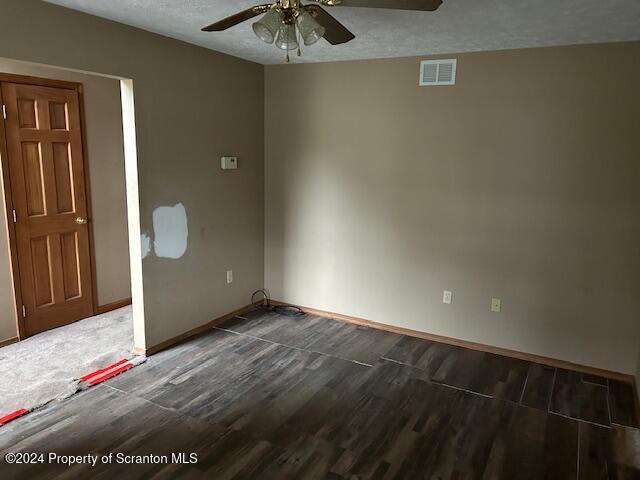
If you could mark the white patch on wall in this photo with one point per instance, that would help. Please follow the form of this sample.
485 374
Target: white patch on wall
145 243
170 231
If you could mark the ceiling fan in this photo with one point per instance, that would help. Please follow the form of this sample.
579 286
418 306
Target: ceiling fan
288 22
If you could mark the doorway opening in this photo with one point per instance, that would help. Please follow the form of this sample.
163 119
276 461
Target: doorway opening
71 269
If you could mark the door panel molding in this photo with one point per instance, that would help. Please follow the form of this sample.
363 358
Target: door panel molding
58 116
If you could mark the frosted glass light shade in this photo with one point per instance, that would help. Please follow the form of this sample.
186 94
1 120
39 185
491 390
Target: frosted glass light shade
310 30
267 27
286 38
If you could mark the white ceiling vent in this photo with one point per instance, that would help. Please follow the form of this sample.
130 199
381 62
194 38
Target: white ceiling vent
438 72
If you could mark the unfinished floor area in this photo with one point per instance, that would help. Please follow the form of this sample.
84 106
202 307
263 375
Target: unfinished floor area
47 366
267 396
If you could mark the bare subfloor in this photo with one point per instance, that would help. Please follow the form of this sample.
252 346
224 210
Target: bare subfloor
269 397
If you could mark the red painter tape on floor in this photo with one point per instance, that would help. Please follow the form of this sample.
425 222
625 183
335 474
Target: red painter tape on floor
98 372
110 374
13 415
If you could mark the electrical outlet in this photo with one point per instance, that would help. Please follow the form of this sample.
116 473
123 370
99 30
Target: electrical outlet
496 305
447 297
229 276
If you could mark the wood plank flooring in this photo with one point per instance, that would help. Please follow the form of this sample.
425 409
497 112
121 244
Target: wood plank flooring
271 397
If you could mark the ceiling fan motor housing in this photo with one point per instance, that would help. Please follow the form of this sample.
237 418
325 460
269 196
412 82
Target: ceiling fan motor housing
289 4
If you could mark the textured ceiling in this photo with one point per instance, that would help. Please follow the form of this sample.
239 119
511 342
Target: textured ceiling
458 26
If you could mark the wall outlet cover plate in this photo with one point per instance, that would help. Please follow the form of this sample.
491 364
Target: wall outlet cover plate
447 297
496 305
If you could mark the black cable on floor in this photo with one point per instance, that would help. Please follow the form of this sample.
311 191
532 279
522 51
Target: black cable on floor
286 310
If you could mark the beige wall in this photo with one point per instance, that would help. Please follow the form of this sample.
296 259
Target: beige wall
192 106
520 182
103 132
638 377
8 326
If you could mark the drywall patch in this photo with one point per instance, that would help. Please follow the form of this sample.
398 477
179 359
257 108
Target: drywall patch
145 244
170 231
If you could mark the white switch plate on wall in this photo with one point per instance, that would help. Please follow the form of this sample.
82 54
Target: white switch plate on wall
496 304
447 297
229 276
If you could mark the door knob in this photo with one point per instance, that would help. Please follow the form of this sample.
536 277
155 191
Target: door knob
81 221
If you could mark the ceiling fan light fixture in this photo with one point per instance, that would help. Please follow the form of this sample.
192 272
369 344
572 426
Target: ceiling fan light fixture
287 38
267 27
310 30
289 23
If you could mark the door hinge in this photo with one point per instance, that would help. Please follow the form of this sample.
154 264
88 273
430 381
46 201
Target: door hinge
15 216
24 311
4 112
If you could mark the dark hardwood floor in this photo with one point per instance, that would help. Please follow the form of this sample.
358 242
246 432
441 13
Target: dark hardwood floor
270 397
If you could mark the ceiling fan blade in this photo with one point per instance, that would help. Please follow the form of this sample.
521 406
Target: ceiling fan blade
237 18
335 33
424 5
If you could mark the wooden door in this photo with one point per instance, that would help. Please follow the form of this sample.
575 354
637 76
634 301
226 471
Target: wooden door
46 170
